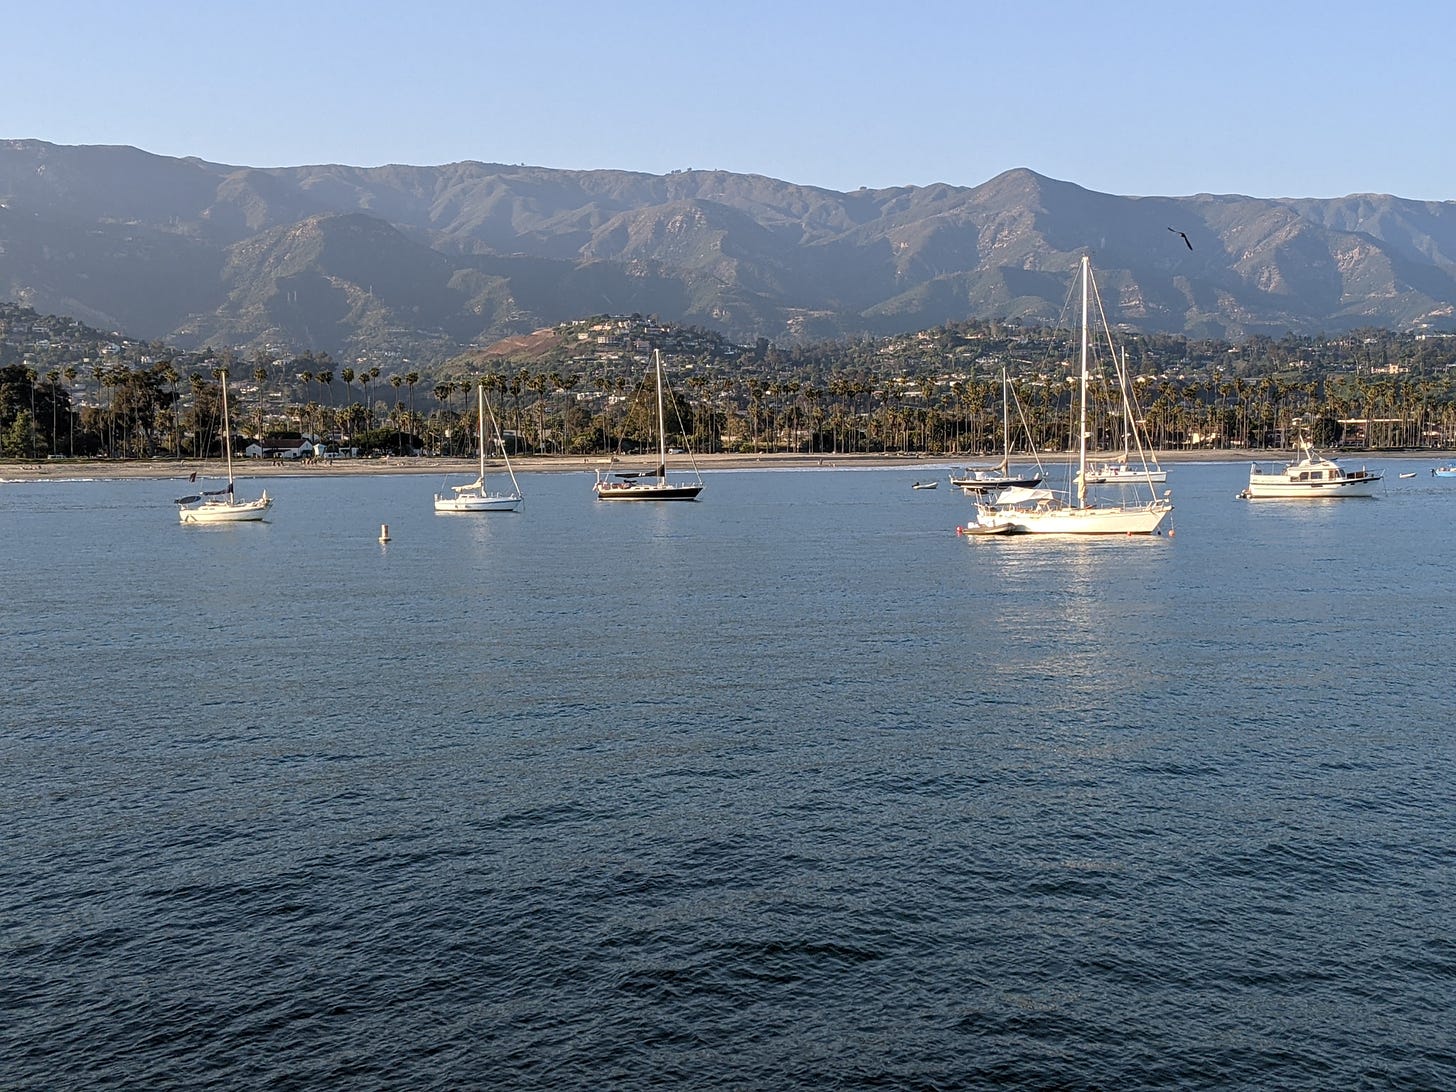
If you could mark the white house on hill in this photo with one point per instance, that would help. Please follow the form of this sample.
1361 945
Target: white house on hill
281 447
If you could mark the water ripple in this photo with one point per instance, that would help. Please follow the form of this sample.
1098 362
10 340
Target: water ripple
789 789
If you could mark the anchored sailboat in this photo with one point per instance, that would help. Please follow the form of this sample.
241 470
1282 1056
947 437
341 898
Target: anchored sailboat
1131 467
999 476
474 497
1045 512
652 484
222 505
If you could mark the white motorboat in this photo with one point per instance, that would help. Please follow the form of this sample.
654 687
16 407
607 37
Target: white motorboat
1311 475
222 505
1048 512
475 497
650 485
1121 472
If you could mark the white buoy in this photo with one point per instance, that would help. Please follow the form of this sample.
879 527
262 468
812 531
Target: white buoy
384 532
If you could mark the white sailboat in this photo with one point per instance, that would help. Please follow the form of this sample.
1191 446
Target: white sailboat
996 477
1129 468
222 505
651 485
474 497
1046 512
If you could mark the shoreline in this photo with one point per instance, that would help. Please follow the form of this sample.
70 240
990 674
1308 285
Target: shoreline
170 469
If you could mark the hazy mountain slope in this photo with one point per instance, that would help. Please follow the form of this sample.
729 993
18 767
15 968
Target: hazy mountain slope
427 260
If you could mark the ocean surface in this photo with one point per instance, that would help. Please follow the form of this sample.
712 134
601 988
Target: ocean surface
789 788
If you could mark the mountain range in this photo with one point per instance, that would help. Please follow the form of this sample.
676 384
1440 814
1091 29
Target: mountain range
423 262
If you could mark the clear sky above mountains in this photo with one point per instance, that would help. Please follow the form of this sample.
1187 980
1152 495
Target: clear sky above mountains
1270 99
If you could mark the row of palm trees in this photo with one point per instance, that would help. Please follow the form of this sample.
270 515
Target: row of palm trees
147 410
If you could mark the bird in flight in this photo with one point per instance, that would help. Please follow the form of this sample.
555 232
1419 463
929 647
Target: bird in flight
1175 231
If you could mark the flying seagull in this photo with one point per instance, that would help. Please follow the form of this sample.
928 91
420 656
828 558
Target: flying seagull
1175 231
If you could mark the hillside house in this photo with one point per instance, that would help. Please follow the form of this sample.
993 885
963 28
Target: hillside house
280 447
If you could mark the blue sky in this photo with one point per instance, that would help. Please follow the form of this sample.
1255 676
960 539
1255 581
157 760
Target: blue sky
1271 99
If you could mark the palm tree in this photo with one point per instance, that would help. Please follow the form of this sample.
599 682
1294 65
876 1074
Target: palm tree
347 375
443 390
564 385
196 382
51 377
70 374
411 379
307 378
170 375
397 381
260 375
538 384
517 385
327 379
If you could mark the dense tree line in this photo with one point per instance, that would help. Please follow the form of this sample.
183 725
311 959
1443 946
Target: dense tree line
933 393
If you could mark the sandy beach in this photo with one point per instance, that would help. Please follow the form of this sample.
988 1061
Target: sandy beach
21 470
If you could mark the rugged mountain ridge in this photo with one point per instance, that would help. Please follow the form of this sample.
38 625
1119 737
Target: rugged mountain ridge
427 261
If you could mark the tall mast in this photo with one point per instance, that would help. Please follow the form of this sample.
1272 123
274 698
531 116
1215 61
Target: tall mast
1127 418
480 418
1082 427
661 423
227 434
1005 426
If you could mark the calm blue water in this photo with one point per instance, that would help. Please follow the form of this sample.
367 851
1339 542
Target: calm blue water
789 788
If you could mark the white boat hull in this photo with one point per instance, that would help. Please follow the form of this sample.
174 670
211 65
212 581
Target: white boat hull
1312 476
1114 476
1277 486
224 512
1143 519
493 502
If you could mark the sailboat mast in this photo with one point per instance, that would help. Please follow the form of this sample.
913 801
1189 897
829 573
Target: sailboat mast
227 435
1005 426
661 422
480 421
1127 422
1082 427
